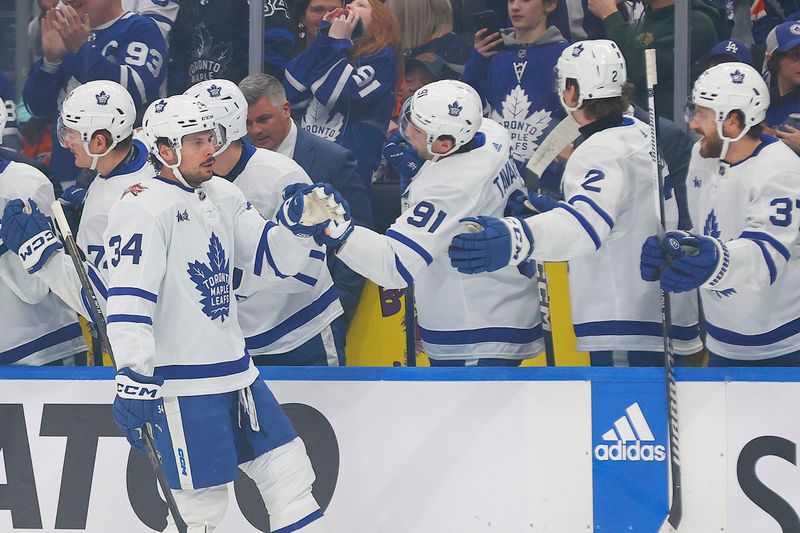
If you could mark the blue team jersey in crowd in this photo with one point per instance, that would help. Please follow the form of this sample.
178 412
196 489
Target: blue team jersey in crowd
129 50
347 101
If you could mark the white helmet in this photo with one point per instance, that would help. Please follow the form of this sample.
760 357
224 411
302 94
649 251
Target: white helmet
729 87
94 106
173 118
228 104
9 115
598 66
446 107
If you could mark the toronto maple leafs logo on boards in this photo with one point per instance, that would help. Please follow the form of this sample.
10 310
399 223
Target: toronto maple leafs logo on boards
212 281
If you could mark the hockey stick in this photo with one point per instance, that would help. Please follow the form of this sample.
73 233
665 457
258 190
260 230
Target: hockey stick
673 519
559 138
100 321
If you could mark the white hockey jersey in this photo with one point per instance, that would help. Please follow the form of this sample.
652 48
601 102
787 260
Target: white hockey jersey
460 316
609 211
753 310
171 252
37 327
276 319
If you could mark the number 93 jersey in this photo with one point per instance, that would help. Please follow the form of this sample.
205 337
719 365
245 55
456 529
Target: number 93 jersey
460 316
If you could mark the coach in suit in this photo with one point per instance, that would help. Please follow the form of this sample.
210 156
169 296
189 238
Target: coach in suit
270 126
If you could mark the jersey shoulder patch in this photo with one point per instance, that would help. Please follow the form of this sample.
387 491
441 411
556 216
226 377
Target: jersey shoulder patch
134 190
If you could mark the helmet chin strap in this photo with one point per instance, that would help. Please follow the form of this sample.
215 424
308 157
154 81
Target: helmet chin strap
174 169
96 157
726 141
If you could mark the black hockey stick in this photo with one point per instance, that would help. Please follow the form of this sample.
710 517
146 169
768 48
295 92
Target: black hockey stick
673 519
100 322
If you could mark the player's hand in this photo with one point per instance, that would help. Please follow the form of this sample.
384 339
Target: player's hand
73 196
402 157
291 212
697 260
602 8
658 253
52 44
337 229
487 45
138 402
73 27
27 232
521 204
493 244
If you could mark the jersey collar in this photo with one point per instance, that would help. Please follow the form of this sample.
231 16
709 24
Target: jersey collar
135 160
766 140
609 121
247 152
175 183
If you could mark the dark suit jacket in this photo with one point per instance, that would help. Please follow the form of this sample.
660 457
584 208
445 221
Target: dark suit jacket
326 161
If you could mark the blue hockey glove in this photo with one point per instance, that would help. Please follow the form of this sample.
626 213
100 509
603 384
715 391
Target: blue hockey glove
291 212
696 263
541 202
337 230
520 204
657 254
402 157
493 244
74 196
28 234
138 402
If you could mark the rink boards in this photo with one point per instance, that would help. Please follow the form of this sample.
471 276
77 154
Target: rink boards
400 450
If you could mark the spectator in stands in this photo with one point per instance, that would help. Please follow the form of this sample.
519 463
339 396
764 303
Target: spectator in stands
657 30
576 22
782 62
423 69
210 41
93 41
10 135
727 51
427 26
307 16
270 126
343 87
513 72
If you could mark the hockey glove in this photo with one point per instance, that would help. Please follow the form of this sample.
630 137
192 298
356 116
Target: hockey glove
523 205
697 262
73 196
657 254
27 232
291 212
339 228
493 243
402 157
138 402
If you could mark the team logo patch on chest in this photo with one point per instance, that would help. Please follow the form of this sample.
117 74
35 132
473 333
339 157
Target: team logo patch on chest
212 281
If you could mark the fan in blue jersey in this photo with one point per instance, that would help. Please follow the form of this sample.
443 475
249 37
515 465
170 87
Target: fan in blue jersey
296 322
599 227
744 256
172 243
342 88
97 41
490 320
513 73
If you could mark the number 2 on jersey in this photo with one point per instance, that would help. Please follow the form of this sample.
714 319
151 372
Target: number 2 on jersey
423 213
133 248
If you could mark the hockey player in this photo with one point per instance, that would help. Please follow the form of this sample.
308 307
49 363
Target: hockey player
38 328
93 41
608 210
463 320
297 323
172 243
745 261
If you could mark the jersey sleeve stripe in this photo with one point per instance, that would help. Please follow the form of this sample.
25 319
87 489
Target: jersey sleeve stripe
399 237
97 282
86 305
160 18
130 319
404 273
263 251
317 254
583 222
766 237
301 523
591 203
308 280
213 370
773 271
473 336
294 83
67 333
133 291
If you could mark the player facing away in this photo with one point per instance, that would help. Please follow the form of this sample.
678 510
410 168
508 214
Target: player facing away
172 243
744 257
469 169
608 211
297 322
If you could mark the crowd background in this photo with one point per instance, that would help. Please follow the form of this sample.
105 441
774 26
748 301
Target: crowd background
344 79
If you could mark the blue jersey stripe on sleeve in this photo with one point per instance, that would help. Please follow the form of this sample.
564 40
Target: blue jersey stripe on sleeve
97 282
132 319
583 222
264 251
67 333
301 523
317 254
406 275
399 237
308 280
766 237
591 203
132 291
213 370
773 271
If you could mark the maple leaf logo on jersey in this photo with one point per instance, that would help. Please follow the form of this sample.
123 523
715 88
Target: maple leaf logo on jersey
211 280
208 60
525 128
214 91
711 227
136 189
102 98
160 105
454 109
737 77
318 120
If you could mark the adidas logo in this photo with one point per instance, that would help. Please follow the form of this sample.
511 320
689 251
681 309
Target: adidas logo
629 435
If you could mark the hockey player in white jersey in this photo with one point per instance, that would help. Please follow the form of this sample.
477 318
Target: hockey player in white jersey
745 255
38 328
295 322
607 213
463 320
172 243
